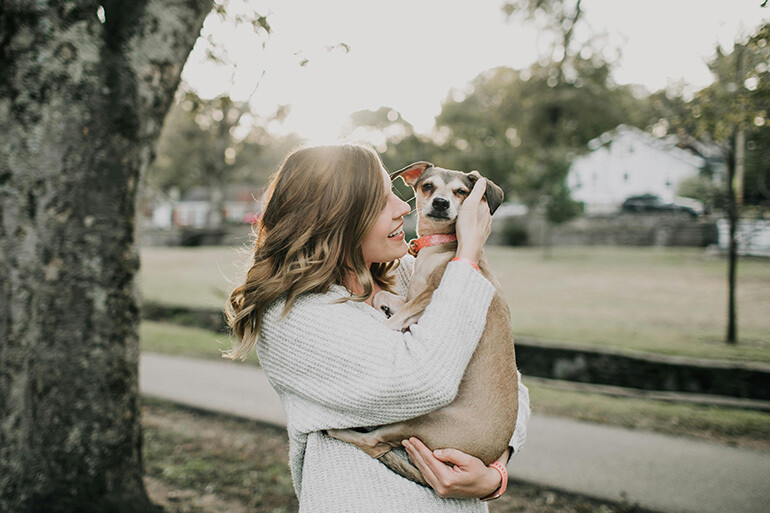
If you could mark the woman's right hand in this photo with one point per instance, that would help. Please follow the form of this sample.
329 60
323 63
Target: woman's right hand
453 473
474 223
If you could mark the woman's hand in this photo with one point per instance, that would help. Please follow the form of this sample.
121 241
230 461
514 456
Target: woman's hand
464 477
474 223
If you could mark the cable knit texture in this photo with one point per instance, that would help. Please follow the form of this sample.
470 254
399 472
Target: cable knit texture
335 365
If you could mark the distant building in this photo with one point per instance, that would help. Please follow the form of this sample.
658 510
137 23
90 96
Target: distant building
627 162
752 236
191 210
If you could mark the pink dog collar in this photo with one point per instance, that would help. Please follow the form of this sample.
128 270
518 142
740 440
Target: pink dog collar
415 245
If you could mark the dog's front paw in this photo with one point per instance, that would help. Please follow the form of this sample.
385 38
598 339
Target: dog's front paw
387 302
397 322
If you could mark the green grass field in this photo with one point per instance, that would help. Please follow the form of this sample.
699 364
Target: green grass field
660 300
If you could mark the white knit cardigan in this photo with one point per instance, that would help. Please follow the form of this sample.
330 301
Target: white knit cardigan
335 365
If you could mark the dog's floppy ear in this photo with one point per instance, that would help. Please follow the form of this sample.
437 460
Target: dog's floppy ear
493 194
411 173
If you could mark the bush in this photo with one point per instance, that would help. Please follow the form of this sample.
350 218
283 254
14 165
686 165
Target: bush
514 233
704 190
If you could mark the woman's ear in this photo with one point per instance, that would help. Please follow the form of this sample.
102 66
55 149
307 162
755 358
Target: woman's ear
411 173
493 194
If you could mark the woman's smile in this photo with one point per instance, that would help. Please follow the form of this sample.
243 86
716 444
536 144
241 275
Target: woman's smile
398 233
374 248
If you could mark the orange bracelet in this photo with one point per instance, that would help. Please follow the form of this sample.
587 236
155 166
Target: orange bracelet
464 259
504 475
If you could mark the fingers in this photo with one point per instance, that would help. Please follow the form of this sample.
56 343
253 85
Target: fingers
419 459
453 456
477 193
440 474
436 465
483 210
469 477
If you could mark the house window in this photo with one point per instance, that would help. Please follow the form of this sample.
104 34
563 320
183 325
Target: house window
625 177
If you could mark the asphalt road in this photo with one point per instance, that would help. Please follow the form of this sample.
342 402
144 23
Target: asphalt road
660 472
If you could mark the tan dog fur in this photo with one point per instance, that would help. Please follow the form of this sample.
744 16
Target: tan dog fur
481 419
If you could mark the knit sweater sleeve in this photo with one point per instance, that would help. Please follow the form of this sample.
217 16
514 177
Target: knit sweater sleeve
341 358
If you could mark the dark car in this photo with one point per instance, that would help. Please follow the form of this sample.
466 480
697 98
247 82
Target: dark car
652 203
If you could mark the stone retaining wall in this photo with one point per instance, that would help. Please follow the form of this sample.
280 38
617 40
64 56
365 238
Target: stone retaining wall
645 371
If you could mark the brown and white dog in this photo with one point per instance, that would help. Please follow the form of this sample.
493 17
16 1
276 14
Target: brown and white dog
481 419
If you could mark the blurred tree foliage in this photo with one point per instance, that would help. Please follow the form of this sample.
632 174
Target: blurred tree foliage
523 128
213 142
739 100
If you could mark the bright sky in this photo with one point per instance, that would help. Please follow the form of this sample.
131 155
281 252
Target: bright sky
408 54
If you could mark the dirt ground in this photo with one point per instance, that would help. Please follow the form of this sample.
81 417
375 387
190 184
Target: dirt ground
199 462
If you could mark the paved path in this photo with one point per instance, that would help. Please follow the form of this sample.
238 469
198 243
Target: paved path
660 472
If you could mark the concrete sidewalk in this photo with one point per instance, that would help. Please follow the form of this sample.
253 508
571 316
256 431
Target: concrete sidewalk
660 472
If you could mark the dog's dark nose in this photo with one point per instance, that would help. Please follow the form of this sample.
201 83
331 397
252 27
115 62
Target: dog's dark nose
440 204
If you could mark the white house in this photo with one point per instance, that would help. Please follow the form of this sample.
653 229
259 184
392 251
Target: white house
627 162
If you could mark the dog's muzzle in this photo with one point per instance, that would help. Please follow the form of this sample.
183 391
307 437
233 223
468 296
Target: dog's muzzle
440 205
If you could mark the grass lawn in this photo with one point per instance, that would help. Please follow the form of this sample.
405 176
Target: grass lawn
196 462
161 337
664 300
744 428
669 301
727 425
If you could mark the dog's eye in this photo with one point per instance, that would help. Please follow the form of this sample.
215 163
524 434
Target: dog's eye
427 188
462 192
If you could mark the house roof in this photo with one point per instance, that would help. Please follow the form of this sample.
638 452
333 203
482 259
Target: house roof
705 149
666 145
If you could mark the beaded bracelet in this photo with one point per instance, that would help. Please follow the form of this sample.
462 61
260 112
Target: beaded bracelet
504 475
464 259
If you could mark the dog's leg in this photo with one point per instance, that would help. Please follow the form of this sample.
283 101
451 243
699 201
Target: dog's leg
410 311
403 468
367 442
372 444
388 303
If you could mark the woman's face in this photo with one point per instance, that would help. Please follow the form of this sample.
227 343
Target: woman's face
378 246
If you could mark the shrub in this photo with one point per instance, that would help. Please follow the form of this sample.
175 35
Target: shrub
514 233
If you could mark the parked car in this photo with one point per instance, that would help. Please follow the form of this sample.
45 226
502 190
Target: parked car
652 203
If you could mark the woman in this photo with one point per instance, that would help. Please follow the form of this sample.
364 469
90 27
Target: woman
329 239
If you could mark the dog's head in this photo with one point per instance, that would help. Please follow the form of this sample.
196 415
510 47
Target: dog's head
440 192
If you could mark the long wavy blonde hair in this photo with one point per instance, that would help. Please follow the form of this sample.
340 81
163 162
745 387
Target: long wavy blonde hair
321 203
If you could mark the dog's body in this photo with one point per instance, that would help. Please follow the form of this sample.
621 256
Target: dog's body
481 419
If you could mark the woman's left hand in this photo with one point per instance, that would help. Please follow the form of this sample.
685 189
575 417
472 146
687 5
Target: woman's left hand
462 476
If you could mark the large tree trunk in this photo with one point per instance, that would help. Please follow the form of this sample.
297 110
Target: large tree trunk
81 105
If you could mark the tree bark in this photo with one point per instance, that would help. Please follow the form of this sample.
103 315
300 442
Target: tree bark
731 337
734 203
81 105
